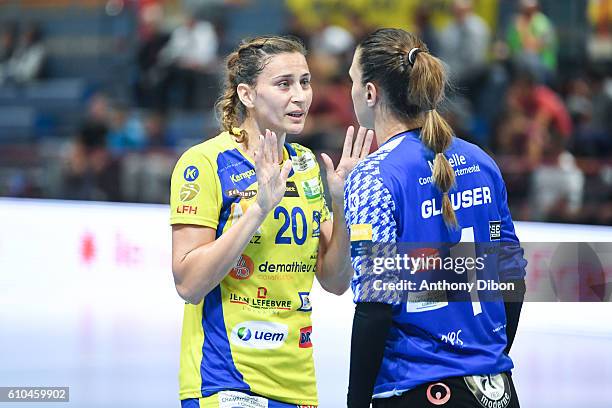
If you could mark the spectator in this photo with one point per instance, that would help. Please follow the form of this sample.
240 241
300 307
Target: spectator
330 56
150 71
331 111
145 175
26 63
557 185
425 29
331 107
156 132
599 43
97 114
90 172
189 58
463 46
8 42
332 40
602 100
358 25
126 132
533 111
532 41
488 108
591 109
296 28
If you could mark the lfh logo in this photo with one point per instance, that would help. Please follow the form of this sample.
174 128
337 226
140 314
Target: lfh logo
186 209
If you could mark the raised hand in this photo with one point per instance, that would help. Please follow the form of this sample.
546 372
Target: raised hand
351 155
271 178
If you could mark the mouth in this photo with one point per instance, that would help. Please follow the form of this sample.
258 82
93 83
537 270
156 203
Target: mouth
297 114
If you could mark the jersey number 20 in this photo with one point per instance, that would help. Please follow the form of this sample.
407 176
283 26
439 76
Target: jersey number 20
291 220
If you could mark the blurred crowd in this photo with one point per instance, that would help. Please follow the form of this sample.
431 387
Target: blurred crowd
22 54
545 121
550 130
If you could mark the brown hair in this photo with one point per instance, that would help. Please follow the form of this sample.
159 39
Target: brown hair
411 89
243 67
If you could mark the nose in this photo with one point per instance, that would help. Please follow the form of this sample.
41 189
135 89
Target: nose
298 95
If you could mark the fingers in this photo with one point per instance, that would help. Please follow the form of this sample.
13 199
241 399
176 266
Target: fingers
258 154
365 150
327 161
267 154
348 142
274 147
270 147
285 170
358 142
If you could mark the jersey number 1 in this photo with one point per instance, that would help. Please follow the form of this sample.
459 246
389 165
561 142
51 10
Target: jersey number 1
469 251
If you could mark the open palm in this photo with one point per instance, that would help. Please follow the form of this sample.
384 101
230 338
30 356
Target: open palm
352 153
271 178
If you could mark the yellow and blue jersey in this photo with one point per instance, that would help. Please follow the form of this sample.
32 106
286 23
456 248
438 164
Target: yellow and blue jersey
252 332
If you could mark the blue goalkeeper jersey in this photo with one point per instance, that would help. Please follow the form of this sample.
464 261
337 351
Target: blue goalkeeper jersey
390 198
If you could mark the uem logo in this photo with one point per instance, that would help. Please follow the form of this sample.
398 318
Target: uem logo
244 334
259 335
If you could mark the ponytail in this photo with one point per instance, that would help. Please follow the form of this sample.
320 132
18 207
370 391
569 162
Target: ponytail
437 135
392 57
228 105
427 83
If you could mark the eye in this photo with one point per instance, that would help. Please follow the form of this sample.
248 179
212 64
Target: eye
283 84
305 81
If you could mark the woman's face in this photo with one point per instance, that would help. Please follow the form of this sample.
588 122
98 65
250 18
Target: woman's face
283 94
364 113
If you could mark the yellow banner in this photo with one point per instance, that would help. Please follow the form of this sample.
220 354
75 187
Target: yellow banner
382 13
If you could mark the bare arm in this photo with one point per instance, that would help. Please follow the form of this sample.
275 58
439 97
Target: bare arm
199 261
334 270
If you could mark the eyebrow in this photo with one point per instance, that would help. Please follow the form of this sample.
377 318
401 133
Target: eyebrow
290 75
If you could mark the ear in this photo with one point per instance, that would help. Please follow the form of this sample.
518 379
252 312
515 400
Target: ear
371 94
246 95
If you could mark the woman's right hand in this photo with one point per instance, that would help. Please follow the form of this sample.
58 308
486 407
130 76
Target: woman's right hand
271 178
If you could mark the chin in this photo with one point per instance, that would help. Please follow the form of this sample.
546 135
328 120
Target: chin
294 129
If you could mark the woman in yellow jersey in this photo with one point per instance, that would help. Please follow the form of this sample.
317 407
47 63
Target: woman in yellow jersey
250 231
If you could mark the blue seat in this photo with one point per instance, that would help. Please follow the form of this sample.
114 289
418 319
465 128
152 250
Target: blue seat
16 124
64 91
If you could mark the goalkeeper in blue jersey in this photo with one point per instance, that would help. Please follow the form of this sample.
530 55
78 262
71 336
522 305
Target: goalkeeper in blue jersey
420 348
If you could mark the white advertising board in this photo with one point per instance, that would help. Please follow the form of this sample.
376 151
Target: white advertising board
87 300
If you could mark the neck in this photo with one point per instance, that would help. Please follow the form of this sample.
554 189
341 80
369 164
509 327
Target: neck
254 131
387 126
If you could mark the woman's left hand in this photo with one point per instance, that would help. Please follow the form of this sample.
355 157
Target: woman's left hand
351 155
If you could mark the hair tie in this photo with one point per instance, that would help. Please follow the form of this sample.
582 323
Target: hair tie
412 55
